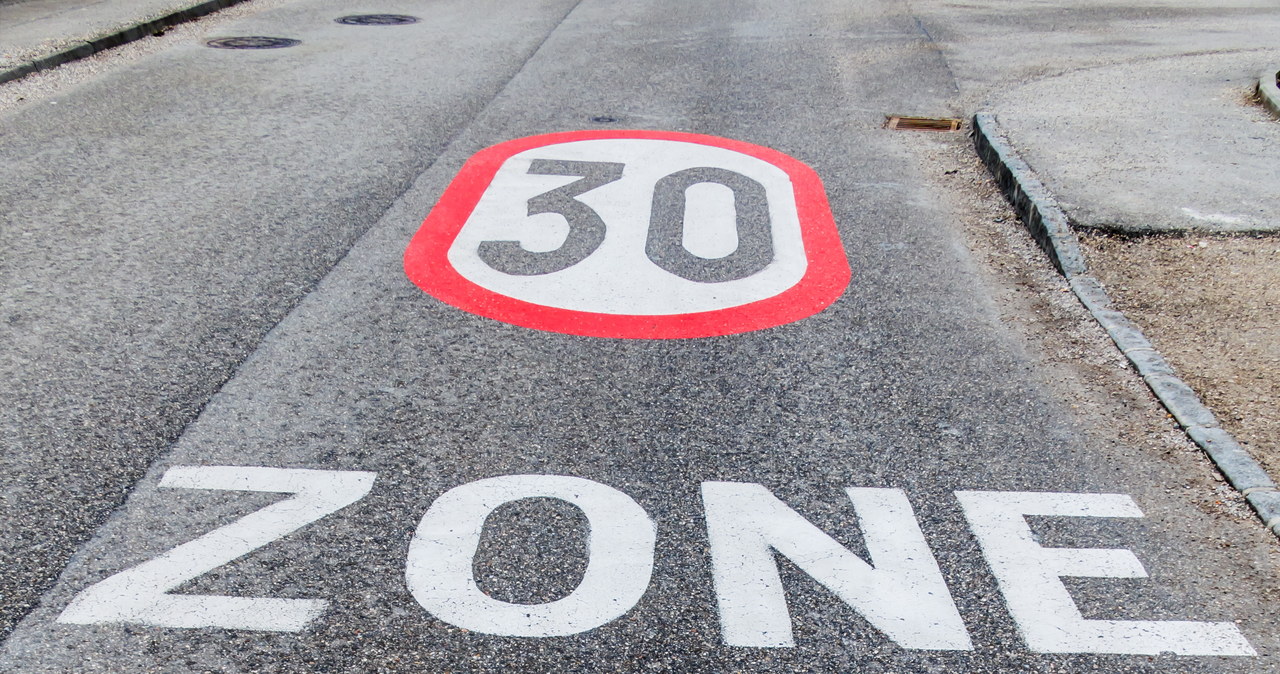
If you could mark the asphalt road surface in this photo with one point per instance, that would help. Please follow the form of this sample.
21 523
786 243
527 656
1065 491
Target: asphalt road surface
688 369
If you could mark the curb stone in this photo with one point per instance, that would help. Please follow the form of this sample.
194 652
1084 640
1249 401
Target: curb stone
1049 226
112 38
1268 91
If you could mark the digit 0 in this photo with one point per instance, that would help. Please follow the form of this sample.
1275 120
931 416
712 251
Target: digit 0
667 225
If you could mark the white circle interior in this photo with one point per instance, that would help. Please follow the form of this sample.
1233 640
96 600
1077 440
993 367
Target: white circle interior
618 278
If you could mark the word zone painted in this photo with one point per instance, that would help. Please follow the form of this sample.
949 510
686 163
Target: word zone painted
899 590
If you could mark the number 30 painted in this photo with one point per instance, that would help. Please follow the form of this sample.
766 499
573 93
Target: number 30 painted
632 234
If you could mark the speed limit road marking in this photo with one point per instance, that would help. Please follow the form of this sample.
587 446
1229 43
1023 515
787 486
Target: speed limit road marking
632 234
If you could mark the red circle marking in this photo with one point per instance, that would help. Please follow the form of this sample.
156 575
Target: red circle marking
826 277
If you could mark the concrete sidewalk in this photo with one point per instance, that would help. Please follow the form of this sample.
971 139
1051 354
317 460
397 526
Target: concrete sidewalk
1167 144
1137 118
40 34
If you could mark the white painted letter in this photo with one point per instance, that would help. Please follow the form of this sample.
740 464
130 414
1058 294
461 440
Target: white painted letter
138 595
441 554
1029 576
903 595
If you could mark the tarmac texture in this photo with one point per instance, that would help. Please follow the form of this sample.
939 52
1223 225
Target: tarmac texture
205 268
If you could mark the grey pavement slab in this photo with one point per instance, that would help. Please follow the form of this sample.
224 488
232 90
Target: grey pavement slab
158 220
1136 117
1168 144
908 381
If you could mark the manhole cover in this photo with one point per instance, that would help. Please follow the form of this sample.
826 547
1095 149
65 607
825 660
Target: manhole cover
901 123
252 42
377 20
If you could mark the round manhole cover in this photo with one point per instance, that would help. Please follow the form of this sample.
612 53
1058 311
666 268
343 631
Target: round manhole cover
252 42
377 20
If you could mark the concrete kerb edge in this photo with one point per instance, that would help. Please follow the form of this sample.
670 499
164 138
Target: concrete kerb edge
113 38
1039 212
1048 224
1268 92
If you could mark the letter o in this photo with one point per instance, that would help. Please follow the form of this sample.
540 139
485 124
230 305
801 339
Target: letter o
439 567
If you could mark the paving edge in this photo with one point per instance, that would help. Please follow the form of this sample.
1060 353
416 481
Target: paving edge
113 38
1268 92
1049 226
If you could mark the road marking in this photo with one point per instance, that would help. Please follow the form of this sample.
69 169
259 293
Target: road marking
1030 578
632 234
139 595
901 591
903 595
442 553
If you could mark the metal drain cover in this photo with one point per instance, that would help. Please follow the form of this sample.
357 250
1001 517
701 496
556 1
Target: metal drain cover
377 20
252 42
901 123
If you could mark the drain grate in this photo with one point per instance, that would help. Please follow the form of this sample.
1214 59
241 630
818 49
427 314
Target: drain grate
252 42
900 123
377 20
